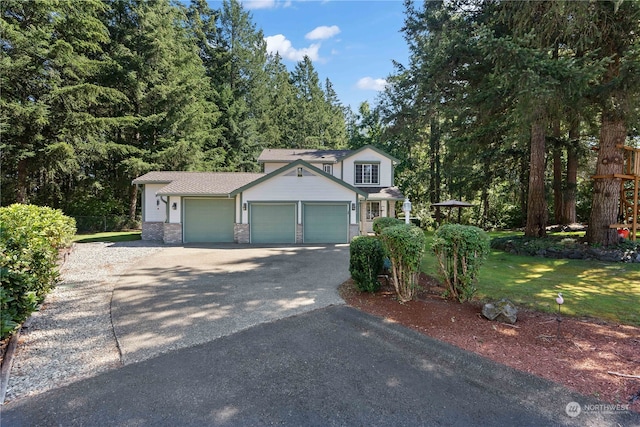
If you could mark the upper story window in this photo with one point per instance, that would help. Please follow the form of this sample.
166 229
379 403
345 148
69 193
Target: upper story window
328 168
367 173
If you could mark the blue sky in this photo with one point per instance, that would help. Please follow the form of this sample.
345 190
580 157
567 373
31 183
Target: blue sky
351 42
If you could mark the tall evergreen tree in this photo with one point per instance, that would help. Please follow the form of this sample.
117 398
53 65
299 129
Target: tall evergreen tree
278 116
616 39
157 66
50 100
310 106
335 119
241 84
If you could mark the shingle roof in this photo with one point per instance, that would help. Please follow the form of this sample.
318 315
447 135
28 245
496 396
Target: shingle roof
197 183
308 155
383 193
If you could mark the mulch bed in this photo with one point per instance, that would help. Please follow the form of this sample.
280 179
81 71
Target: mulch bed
589 356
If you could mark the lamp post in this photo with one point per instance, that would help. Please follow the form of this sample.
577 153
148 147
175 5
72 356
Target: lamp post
406 208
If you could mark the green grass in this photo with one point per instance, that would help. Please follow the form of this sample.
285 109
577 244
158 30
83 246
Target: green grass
608 291
120 236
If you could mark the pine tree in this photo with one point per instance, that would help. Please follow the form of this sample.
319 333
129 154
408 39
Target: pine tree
278 115
52 101
310 113
241 85
156 64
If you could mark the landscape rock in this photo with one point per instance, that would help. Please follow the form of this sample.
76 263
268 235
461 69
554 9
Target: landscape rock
501 311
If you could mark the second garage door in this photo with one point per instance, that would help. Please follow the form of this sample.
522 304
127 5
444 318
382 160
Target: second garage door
326 222
273 222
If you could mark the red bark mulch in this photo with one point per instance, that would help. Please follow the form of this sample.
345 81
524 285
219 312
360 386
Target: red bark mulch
584 357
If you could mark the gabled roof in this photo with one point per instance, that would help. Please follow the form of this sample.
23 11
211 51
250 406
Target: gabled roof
197 183
383 193
371 147
296 164
270 155
309 155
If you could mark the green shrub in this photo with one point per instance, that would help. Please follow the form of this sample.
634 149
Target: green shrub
29 240
405 246
382 222
366 260
460 251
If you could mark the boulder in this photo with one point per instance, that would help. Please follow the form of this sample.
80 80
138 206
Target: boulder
501 311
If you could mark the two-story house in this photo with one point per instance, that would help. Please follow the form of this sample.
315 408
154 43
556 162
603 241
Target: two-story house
303 196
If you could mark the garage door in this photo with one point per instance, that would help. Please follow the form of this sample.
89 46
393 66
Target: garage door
326 222
273 222
208 220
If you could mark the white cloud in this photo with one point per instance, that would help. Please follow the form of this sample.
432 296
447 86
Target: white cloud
283 46
259 4
323 32
265 4
369 83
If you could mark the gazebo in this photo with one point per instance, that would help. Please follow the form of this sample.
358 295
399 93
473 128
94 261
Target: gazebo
453 204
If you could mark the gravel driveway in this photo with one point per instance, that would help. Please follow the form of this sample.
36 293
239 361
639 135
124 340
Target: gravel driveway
176 298
71 337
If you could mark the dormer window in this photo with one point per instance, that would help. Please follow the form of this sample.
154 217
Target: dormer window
328 168
367 173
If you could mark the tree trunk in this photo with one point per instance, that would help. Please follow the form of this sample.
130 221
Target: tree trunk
558 199
558 202
606 190
537 215
484 218
133 201
570 189
523 188
434 165
21 193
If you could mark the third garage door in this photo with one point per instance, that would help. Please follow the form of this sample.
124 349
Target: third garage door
326 222
273 222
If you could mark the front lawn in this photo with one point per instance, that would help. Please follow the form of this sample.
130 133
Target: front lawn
117 236
609 291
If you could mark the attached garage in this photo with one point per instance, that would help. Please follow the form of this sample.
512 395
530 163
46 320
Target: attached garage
273 222
326 222
208 220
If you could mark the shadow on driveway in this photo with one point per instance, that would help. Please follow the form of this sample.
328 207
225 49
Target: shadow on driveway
190 295
334 366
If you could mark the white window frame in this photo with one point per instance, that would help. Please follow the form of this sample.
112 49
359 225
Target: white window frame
328 168
365 173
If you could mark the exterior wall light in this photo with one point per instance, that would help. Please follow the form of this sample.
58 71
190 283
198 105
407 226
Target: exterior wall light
299 171
353 206
174 206
244 206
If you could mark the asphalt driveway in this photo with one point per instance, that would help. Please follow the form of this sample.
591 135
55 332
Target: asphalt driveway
261 337
329 367
190 295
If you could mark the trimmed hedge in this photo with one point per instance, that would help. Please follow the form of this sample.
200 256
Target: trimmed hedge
366 260
460 251
30 237
405 247
382 222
